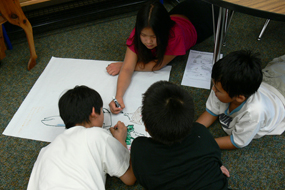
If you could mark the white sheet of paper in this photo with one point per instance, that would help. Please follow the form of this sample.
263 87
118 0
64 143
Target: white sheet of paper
198 70
38 117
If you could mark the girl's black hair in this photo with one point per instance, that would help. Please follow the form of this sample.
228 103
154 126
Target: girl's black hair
155 16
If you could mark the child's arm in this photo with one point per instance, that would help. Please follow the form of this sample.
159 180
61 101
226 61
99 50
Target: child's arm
119 131
129 177
149 66
114 68
225 142
124 79
206 119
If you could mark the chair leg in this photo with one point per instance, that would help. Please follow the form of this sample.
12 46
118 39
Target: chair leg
2 44
13 13
263 29
6 38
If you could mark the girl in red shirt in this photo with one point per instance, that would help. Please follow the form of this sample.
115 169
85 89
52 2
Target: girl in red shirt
158 37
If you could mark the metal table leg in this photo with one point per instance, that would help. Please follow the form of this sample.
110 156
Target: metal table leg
219 33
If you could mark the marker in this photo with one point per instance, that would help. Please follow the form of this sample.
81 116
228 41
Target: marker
117 103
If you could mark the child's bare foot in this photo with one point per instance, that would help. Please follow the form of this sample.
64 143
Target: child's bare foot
225 171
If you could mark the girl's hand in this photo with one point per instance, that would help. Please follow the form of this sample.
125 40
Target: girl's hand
119 131
114 109
114 68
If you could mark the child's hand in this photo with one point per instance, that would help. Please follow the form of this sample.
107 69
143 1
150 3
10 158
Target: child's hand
225 171
114 68
119 131
114 109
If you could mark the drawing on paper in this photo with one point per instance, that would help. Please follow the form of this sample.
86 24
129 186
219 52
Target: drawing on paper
132 134
107 123
129 136
135 117
198 70
201 67
53 121
56 121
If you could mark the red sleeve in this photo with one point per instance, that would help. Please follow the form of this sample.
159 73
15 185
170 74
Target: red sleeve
130 41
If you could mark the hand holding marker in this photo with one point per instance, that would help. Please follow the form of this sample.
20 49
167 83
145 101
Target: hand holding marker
117 103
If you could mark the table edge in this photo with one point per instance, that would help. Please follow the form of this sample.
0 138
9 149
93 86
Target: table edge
247 10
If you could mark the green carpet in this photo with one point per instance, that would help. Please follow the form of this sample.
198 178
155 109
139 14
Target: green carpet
260 165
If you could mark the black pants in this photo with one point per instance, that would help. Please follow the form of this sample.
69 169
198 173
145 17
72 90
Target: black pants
200 15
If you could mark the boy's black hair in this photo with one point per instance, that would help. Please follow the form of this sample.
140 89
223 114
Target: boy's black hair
167 112
154 15
75 106
239 73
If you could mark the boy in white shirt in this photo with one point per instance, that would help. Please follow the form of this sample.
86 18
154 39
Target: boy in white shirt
81 157
246 107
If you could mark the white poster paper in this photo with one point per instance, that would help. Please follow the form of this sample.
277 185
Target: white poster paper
38 117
